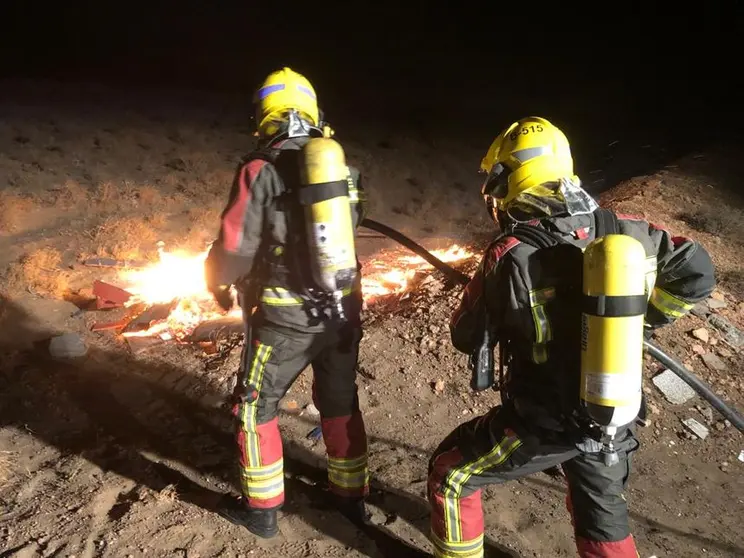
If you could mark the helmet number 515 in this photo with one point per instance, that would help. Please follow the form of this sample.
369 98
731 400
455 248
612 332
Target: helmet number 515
531 129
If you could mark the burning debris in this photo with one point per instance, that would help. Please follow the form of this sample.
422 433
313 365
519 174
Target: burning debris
393 273
169 301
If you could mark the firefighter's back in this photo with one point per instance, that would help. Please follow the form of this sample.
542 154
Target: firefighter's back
283 282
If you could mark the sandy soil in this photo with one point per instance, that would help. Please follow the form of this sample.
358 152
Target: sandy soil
119 455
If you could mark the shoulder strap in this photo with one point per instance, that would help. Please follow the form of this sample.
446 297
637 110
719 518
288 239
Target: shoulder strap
265 154
605 222
534 236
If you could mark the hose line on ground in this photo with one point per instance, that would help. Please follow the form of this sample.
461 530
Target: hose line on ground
450 272
695 383
700 387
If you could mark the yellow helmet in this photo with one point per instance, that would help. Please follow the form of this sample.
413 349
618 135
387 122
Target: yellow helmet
281 92
526 155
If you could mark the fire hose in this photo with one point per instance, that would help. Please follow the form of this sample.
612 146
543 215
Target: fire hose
700 387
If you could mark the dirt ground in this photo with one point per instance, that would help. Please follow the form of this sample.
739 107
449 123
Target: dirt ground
119 455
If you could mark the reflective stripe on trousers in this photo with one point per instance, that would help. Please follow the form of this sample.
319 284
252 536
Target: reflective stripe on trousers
453 535
668 304
351 475
261 465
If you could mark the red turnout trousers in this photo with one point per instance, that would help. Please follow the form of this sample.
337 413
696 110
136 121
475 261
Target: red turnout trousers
277 357
499 447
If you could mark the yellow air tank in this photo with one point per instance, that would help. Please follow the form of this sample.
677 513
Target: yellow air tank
330 230
613 309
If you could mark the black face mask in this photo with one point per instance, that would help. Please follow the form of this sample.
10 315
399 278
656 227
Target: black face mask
495 186
496 183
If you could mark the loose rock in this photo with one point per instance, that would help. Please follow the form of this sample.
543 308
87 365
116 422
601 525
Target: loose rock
67 345
725 353
707 413
714 304
289 406
700 310
713 362
731 334
675 390
696 428
702 334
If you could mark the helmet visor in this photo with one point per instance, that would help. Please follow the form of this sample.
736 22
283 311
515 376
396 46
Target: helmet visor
496 184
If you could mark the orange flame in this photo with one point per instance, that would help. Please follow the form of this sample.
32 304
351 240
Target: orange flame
391 274
178 277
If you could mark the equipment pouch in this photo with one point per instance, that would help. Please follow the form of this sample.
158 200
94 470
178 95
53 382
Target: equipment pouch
481 361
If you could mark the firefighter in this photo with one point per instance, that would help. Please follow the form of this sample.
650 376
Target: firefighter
262 250
539 423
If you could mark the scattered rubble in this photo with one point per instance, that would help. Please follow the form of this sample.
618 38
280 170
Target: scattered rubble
109 296
674 389
696 428
707 413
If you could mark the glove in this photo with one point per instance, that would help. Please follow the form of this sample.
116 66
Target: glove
223 296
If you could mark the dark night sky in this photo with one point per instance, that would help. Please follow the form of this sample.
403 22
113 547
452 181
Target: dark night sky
614 70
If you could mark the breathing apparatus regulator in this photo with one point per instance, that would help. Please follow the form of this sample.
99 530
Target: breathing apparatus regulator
529 175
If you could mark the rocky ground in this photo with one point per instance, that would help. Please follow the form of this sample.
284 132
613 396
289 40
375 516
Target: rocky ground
116 455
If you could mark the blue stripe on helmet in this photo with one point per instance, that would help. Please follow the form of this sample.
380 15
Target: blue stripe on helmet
306 91
268 90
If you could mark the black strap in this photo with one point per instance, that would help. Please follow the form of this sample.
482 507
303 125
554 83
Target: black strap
314 193
534 236
267 154
614 306
605 222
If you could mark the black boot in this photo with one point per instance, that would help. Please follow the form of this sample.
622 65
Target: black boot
353 509
262 523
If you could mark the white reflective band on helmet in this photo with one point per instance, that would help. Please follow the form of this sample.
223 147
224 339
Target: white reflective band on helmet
524 155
